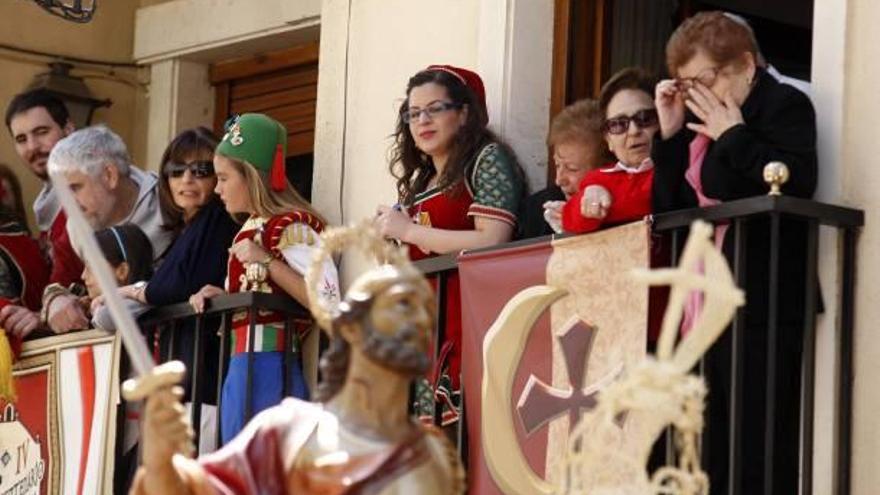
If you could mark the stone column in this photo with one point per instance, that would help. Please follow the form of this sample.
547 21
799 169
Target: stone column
180 97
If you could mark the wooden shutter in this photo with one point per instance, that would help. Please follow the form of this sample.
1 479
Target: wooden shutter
581 54
281 84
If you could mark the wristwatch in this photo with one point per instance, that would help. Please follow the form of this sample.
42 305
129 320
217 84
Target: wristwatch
139 288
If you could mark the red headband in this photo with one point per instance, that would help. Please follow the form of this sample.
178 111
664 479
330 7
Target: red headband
469 78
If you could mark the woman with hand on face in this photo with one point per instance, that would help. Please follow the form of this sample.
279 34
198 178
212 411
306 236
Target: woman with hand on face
619 192
269 254
458 184
722 119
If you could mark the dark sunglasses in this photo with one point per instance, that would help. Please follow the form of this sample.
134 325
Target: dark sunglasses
642 119
199 170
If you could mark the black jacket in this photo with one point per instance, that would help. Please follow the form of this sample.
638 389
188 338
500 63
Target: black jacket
530 221
780 124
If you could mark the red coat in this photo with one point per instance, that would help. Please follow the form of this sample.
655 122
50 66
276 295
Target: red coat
630 198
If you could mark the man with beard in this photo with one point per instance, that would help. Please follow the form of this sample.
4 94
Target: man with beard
111 191
359 439
37 120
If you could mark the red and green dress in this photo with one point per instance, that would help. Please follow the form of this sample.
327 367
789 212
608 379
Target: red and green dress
491 188
292 238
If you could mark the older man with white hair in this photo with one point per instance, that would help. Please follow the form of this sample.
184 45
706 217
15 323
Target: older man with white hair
111 191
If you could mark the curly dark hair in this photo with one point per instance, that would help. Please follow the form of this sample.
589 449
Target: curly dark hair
412 168
189 143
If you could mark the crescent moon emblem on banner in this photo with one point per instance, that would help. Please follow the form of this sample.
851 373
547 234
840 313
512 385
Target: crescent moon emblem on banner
503 347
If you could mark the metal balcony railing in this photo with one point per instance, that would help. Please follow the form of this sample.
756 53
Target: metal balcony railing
776 211
160 323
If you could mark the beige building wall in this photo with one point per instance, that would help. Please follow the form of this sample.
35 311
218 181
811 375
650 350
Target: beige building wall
108 37
860 181
370 48
367 56
369 51
178 52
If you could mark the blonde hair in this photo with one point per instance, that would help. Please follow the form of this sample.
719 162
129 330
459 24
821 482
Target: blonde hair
267 202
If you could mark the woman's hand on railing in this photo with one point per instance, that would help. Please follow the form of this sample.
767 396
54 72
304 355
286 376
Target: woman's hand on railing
197 300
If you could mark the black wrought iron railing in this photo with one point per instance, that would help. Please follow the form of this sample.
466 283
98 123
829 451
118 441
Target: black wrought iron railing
741 216
161 324
765 216
776 212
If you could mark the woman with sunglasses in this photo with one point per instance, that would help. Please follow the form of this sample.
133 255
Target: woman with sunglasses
619 192
722 119
197 218
459 187
202 232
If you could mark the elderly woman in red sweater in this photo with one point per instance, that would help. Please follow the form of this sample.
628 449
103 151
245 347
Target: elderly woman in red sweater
619 192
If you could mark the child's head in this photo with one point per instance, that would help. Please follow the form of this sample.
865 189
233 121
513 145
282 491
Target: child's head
129 253
250 167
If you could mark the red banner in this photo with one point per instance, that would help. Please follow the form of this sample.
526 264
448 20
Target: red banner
59 435
579 344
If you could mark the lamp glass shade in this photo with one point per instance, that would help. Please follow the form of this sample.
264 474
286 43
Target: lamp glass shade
72 90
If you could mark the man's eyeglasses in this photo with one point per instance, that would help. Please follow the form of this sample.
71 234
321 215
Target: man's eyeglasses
199 170
431 111
706 77
642 119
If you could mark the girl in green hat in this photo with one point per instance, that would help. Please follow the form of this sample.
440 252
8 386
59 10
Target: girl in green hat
270 254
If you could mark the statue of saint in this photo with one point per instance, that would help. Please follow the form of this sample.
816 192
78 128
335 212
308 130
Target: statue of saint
359 439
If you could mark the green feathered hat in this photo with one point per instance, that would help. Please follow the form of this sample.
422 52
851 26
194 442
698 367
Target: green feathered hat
259 140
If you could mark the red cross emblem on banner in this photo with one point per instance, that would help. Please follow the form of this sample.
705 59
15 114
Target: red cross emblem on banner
541 403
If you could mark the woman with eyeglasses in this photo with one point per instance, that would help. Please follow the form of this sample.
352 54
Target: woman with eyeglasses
621 191
459 187
722 119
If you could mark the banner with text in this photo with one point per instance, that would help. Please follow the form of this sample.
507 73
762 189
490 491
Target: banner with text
59 435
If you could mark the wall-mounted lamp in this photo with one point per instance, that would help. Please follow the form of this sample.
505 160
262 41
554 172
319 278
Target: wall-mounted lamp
72 90
71 10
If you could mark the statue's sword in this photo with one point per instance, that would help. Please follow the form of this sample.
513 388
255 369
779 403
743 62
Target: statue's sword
149 376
